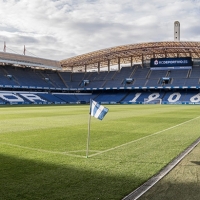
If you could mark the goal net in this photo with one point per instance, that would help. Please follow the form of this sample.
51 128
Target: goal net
152 101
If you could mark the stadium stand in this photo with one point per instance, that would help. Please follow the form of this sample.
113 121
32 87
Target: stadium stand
32 80
26 77
142 79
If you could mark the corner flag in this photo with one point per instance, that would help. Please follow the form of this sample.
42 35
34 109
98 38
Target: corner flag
96 110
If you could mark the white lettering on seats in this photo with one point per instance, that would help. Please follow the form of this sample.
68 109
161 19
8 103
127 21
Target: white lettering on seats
32 97
137 95
195 98
174 97
11 97
153 96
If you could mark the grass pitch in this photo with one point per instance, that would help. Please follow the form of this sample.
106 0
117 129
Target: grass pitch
43 149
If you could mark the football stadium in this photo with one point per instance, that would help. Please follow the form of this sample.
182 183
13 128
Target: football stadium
52 149
152 73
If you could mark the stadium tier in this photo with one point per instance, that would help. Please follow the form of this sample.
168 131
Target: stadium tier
130 85
126 78
161 75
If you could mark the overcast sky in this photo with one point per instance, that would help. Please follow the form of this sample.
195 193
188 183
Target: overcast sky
59 29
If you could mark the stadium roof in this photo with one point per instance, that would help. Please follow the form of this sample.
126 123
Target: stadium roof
132 53
28 61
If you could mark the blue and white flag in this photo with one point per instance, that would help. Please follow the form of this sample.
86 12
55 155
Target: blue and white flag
96 110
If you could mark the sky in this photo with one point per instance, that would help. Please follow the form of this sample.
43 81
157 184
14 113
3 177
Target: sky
60 29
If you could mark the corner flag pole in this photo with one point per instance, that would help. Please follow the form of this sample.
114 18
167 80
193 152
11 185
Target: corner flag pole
88 138
98 111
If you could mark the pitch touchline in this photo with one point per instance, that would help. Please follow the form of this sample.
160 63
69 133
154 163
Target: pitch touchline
42 150
122 145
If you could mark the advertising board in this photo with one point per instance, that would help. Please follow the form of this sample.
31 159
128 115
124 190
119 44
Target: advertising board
171 63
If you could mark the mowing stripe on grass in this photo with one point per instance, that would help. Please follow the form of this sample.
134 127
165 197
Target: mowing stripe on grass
133 141
98 152
42 150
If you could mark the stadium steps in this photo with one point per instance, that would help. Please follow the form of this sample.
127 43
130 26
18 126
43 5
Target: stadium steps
172 80
15 80
163 95
97 96
5 71
168 74
113 77
133 72
148 74
13 77
125 96
189 73
50 81
103 83
63 80
87 75
146 82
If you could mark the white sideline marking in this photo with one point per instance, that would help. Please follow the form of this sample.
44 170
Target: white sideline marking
83 151
42 150
133 141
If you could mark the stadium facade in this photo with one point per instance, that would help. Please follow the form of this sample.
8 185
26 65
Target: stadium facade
156 72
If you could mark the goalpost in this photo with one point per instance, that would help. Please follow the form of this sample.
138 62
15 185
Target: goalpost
152 101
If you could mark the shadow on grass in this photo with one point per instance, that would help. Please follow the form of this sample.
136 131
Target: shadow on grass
196 162
22 179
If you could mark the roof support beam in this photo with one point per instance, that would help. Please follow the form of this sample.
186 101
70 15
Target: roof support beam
165 54
108 65
131 61
142 60
119 64
99 64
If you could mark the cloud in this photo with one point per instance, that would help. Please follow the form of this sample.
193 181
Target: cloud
59 29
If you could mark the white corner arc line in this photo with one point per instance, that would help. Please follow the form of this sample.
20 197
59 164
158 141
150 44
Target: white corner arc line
42 150
133 141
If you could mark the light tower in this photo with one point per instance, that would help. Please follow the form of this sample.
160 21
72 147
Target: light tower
4 47
177 31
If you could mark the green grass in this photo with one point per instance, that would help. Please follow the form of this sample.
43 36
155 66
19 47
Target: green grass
43 149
